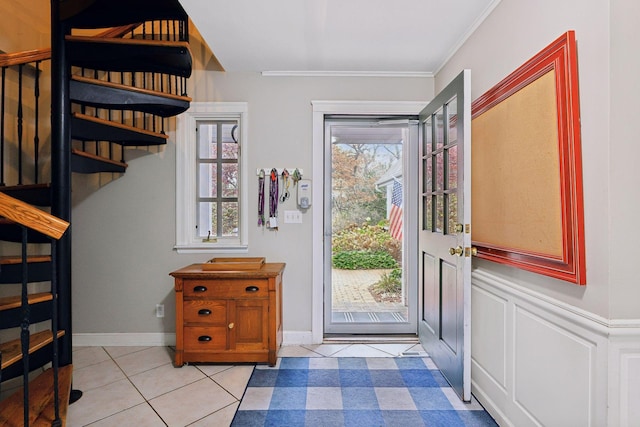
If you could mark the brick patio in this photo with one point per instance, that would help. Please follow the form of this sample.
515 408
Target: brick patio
350 293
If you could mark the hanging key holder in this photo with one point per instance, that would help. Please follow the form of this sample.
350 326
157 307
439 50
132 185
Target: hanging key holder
296 176
261 221
273 199
286 182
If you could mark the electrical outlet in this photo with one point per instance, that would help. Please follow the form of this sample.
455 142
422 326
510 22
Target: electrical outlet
159 310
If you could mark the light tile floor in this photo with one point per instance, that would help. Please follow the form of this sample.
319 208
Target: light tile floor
139 386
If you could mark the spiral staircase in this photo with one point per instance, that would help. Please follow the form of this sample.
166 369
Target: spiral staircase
110 90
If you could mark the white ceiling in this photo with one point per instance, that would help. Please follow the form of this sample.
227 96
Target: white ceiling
353 36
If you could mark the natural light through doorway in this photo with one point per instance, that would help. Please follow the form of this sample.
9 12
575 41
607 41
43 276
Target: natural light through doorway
367 285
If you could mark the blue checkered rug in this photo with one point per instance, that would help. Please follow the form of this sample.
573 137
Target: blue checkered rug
408 391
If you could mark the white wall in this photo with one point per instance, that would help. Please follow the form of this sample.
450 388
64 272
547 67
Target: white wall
546 352
512 34
624 152
123 226
24 28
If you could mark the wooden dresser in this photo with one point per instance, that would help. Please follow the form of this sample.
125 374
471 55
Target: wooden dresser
228 316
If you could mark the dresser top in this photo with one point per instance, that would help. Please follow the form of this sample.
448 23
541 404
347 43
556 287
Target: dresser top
195 271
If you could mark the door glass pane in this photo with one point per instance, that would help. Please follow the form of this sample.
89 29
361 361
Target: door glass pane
427 137
440 171
207 141
452 212
428 174
452 169
452 120
427 221
439 213
439 119
208 180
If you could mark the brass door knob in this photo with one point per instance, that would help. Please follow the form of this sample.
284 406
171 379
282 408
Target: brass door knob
474 251
456 251
231 325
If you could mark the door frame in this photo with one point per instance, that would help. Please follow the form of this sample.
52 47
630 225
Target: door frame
320 109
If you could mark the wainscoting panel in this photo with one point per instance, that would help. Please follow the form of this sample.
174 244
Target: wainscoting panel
489 332
552 372
630 378
536 361
624 375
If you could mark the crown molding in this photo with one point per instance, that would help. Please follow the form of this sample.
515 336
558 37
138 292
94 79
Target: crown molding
394 74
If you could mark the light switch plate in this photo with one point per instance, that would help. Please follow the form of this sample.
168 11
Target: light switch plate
293 217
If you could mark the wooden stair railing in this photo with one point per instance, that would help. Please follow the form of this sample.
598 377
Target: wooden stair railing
39 400
30 217
107 106
155 95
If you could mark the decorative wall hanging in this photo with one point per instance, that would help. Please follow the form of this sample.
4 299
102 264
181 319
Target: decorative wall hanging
526 167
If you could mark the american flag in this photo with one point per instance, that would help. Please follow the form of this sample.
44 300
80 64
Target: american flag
395 216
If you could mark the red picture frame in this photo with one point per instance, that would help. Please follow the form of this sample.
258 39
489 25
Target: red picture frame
560 56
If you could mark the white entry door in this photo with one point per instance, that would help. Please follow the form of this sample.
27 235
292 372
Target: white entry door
445 232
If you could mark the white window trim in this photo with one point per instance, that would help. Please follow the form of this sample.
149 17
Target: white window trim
186 147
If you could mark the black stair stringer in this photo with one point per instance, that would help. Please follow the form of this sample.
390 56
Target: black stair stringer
37 272
12 318
85 163
12 232
95 93
37 359
34 194
84 129
114 13
130 55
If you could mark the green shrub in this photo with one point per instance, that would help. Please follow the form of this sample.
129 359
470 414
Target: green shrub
367 237
356 260
389 283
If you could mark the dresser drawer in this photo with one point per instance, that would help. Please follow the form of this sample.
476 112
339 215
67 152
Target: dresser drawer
205 338
241 288
205 311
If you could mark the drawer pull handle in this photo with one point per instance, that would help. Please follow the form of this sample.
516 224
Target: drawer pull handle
204 338
252 289
204 312
231 325
200 289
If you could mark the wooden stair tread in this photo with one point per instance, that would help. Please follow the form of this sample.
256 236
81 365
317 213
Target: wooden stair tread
10 188
96 157
11 350
41 404
111 13
119 126
34 194
10 231
129 42
130 88
16 259
130 55
15 301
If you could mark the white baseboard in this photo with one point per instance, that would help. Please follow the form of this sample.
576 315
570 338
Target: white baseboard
158 339
297 338
153 339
